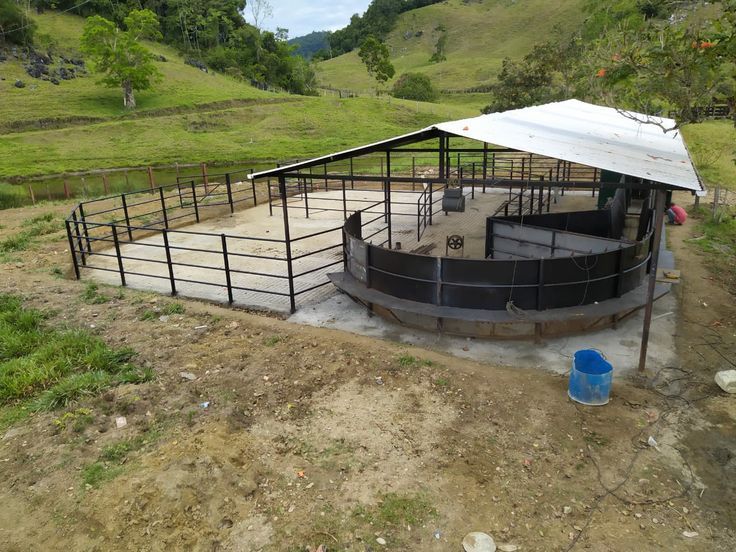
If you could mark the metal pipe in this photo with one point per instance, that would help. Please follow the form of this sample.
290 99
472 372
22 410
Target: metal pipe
287 243
659 205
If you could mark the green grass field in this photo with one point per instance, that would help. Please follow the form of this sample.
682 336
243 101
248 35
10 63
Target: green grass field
480 35
712 146
182 86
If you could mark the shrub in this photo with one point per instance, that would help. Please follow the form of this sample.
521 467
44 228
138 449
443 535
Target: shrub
415 86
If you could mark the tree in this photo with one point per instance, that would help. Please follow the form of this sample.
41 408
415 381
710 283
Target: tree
440 48
414 86
15 26
120 55
375 56
260 10
669 64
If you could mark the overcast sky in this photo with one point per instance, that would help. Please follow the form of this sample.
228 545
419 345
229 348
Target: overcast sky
302 16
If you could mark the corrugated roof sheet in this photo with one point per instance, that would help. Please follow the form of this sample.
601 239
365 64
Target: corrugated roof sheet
573 131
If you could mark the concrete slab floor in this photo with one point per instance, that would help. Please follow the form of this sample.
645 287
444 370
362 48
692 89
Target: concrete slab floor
620 346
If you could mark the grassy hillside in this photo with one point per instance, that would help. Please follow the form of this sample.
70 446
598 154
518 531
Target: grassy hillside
190 116
480 35
182 84
270 131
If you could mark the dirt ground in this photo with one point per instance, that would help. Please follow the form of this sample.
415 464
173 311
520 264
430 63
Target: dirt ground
312 436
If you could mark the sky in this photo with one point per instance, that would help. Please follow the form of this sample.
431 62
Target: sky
302 16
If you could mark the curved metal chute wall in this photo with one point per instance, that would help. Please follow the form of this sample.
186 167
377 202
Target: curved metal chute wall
489 284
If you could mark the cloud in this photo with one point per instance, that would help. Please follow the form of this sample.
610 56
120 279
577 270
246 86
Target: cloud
302 17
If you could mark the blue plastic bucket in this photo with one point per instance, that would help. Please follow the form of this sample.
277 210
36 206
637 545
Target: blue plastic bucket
590 378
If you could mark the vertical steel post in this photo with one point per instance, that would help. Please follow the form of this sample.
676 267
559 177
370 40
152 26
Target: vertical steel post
228 187
352 178
163 206
172 279
287 243
659 205
413 172
117 253
79 239
84 227
325 170
344 201
226 260
253 187
388 195
431 203
270 199
71 248
127 216
194 200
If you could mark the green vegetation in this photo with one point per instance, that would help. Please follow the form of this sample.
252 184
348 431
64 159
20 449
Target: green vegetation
168 309
79 419
712 146
98 473
214 34
15 28
395 510
125 62
308 127
409 361
93 296
272 340
379 19
42 368
414 86
33 229
375 57
479 36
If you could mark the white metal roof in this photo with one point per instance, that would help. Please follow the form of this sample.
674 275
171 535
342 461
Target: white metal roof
591 135
573 131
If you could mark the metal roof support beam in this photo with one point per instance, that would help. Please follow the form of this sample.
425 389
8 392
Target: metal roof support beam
659 204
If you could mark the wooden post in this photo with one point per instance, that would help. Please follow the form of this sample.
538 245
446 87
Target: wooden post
67 192
205 180
658 221
151 183
30 193
105 184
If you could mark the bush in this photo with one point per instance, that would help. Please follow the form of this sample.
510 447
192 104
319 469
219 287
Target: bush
415 86
15 27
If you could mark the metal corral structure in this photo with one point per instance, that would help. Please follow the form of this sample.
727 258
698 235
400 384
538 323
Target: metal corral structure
632 151
532 154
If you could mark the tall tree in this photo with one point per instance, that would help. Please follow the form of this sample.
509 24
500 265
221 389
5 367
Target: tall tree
260 10
120 55
375 56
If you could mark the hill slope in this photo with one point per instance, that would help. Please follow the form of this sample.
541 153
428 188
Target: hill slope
479 36
190 116
182 85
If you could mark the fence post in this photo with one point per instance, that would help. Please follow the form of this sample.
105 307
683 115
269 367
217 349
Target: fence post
71 248
227 270
127 217
84 227
325 171
194 201
228 187
204 178
168 261
117 253
67 193
431 205
150 178
105 184
344 202
30 193
413 172
270 199
163 206
79 238
253 187
352 179
287 243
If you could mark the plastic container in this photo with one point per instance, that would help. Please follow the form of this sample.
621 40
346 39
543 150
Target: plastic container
590 378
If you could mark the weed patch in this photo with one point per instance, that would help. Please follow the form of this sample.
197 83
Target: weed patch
93 296
167 310
718 242
33 229
409 361
272 340
43 368
98 472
